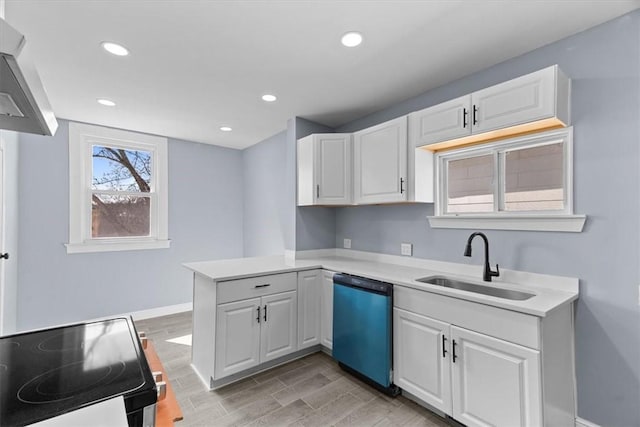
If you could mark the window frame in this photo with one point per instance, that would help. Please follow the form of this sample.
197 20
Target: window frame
499 218
82 138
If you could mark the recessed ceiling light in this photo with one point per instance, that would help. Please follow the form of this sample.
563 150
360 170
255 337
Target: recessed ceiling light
226 129
269 98
115 48
106 102
352 39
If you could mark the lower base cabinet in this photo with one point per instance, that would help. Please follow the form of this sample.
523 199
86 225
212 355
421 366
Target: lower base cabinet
254 331
326 317
478 378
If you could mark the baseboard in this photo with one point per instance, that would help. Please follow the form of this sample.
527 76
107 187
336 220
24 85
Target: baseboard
581 422
160 311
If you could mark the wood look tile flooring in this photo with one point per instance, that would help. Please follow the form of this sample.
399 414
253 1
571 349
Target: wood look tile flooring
312 391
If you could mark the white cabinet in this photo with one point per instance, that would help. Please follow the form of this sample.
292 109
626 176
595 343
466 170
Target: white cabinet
326 316
495 383
380 163
420 363
278 325
254 331
309 306
483 365
539 100
238 335
441 122
324 169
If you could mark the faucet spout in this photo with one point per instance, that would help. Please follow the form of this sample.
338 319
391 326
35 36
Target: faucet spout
487 273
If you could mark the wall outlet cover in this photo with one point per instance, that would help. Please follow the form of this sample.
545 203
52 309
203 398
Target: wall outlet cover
346 243
406 249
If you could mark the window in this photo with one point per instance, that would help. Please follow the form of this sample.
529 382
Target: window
118 190
522 183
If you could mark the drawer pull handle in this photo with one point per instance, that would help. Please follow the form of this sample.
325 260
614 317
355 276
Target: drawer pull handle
262 286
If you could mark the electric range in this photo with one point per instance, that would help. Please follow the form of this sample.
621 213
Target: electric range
49 372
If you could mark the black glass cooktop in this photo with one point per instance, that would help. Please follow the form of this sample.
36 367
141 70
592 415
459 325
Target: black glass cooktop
50 372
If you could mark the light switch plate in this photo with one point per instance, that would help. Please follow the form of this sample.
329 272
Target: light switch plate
346 243
406 249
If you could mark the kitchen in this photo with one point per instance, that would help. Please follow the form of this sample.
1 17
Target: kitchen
230 203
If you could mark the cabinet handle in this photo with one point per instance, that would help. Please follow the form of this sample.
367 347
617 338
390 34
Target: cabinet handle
444 349
475 112
401 185
454 351
258 318
265 312
318 191
464 117
262 286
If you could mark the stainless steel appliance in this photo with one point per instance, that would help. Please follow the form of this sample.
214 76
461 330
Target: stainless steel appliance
362 316
50 372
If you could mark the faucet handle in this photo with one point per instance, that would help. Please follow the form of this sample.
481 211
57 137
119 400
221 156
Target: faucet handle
495 273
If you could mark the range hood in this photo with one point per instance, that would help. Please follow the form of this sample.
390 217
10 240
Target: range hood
24 106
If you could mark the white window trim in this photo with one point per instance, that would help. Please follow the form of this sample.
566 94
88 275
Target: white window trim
81 139
565 220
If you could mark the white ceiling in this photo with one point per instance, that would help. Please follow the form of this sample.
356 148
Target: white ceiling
198 65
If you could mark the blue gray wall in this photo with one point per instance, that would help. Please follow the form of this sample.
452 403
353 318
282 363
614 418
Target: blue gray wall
266 219
604 65
205 222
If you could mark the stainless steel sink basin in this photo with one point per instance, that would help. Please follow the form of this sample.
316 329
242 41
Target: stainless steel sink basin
478 289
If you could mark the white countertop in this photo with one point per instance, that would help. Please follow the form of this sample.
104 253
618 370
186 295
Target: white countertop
550 291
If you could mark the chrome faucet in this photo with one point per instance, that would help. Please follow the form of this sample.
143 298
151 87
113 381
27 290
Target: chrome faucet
487 274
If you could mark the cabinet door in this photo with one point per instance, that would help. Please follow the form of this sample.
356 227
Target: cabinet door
521 100
380 163
332 158
237 337
327 309
309 291
421 358
442 122
278 325
495 383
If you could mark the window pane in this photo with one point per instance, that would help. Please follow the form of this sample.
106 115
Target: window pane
534 179
121 170
119 216
470 185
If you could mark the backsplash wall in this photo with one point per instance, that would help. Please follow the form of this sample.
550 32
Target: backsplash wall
604 65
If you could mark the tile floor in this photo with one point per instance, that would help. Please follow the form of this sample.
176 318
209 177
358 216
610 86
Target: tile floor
312 391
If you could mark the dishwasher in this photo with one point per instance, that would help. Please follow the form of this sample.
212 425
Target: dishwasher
362 340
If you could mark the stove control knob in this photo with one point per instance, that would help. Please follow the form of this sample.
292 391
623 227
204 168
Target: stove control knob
162 390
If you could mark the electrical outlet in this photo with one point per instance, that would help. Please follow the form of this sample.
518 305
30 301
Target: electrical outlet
346 243
406 249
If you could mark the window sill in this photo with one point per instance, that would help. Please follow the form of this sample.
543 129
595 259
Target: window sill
562 223
111 246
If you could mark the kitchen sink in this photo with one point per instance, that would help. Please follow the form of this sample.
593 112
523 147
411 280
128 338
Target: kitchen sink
478 289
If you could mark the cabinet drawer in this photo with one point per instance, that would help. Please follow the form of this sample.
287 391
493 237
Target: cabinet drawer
235 290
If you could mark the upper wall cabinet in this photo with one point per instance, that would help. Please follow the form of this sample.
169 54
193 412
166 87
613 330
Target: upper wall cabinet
535 101
324 169
380 163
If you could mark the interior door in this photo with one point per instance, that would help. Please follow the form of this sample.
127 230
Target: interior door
2 240
279 325
421 358
237 336
495 383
